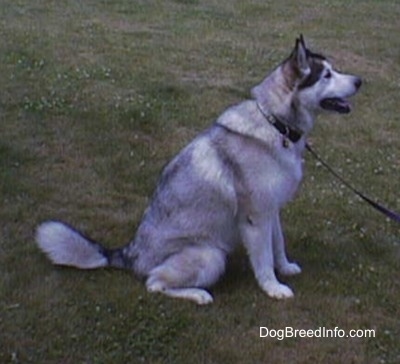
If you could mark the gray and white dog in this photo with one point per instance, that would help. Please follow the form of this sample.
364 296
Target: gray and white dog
227 186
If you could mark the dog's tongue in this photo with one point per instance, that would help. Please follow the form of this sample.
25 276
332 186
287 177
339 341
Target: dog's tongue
336 104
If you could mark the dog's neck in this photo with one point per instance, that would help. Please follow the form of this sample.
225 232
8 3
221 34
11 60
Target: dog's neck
275 96
294 135
295 118
247 120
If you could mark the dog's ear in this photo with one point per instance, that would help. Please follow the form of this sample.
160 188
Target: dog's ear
299 58
301 40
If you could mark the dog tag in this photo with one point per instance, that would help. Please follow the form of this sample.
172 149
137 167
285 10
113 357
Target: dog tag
285 143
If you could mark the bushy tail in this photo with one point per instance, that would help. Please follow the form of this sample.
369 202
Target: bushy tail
66 246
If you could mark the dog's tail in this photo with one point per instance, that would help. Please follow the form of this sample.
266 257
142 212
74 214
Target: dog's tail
66 246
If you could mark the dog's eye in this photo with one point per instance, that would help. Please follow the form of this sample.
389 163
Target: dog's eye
328 74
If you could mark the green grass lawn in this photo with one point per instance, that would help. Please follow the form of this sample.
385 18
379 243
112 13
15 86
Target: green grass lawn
96 96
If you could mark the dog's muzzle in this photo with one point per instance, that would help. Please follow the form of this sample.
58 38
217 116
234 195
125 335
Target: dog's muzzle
338 104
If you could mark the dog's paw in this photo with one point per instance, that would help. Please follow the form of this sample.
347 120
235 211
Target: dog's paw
197 295
202 298
277 290
289 269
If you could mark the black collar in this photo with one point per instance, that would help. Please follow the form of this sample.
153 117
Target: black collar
292 134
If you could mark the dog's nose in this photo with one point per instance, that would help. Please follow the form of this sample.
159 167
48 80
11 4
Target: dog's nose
358 82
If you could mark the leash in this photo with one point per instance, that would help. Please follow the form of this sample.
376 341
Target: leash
384 210
294 135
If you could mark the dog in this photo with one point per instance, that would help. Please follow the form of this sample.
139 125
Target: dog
226 187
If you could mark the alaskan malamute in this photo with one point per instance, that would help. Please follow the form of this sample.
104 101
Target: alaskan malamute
227 186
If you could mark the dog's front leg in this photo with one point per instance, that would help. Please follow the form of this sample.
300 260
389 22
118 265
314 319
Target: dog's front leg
257 236
281 261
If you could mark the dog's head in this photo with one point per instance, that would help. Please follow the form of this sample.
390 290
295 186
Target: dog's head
303 84
317 84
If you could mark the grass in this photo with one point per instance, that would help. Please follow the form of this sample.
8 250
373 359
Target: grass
96 96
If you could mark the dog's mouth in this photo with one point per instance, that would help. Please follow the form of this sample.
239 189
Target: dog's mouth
337 104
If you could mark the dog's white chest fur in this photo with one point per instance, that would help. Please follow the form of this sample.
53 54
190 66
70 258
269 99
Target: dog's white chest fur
285 175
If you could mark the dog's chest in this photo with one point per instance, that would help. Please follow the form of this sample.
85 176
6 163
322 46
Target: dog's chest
289 169
273 179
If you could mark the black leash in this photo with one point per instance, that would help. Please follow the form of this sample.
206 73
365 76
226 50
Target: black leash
294 136
389 213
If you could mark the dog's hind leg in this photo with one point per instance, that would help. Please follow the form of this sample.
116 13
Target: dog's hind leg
185 274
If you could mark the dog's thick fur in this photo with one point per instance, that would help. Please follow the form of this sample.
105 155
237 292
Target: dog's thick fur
227 186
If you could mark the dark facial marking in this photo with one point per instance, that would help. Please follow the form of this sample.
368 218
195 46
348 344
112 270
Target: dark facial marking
316 67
